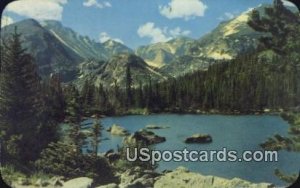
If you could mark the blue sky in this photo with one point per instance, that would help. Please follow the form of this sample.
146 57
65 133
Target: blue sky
133 22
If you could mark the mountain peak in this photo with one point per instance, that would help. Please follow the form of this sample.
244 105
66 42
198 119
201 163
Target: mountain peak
160 54
52 23
111 42
25 23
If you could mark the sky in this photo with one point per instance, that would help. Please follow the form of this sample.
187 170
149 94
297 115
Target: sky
132 22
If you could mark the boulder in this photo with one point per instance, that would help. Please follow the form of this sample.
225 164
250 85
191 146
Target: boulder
108 152
199 138
112 185
181 177
82 182
118 130
145 136
137 178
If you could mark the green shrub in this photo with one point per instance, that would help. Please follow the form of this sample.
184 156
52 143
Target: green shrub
9 174
61 159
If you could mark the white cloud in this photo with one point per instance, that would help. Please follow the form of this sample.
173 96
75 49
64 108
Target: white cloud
40 10
149 30
103 37
95 3
157 34
229 15
186 9
289 4
6 20
178 32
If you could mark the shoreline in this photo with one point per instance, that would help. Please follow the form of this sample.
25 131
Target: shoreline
194 112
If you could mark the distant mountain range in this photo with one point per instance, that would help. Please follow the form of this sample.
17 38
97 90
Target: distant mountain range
50 54
83 45
109 73
161 54
58 49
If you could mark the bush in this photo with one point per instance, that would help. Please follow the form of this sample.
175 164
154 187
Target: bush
9 174
62 159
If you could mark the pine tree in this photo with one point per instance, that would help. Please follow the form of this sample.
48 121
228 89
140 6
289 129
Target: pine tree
88 96
54 97
96 133
22 112
128 87
73 104
77 137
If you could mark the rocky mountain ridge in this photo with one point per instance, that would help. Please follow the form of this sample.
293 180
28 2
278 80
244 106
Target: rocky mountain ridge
62 50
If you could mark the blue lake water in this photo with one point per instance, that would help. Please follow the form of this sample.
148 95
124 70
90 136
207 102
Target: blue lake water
233 132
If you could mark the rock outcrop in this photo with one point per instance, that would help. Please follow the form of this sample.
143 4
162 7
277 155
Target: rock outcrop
199 138
112 185
181 177
137 178
82 182
155 127
144 136
117 130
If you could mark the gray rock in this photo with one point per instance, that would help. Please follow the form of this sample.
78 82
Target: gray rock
109 152
82 182
112 185
155 127
181 177
137 178
145 136
199 138
118 130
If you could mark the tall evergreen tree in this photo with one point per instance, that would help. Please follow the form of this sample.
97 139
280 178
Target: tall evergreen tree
22 110
77 137
96 133
73 104
128 87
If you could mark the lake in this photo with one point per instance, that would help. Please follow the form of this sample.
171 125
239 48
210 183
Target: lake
238 133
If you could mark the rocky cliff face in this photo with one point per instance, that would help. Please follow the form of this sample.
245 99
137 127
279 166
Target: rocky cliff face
161 54
230 39
51 55
182 55
58 49
83 45
114 71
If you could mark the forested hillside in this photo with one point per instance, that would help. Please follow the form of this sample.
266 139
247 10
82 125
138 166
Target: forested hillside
265 79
